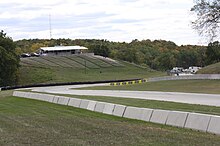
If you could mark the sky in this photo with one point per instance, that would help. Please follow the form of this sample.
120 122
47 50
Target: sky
114 20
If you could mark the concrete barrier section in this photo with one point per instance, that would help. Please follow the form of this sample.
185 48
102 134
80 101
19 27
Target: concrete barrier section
36 96
159 116
84 104
26 94
15 93
55 99
63 100
91 105
75 102
214 125
119 110
132 112
20 94
42 97
33 96
99 107
47 97
198 121
145 114
108 109
176 118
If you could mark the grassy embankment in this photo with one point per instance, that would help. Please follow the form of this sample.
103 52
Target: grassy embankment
210 69
30 122
53 70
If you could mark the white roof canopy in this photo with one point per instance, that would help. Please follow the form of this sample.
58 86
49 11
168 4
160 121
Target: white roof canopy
63 48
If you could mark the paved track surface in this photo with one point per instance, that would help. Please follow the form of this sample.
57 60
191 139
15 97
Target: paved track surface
192 98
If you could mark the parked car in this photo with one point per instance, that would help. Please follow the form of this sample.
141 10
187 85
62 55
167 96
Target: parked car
35 55
24 55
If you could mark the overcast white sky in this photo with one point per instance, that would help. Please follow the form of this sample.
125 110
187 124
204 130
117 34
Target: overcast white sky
114 20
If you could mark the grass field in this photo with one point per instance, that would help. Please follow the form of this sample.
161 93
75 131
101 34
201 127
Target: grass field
211 69
30 122
190 86
154 104
50 74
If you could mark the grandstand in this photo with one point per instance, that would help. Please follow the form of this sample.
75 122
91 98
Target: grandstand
70 61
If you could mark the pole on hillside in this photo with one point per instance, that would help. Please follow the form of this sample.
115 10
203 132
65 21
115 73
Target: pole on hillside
50 26
85 66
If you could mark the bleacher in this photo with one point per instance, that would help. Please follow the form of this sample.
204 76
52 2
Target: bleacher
70 61
93 60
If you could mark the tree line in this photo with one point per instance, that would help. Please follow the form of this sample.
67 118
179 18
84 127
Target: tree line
9 61
158 54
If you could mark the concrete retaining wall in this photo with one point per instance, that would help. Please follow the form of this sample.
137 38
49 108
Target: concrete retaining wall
196 121
190 77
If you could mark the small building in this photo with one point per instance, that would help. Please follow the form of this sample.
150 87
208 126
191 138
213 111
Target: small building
61 50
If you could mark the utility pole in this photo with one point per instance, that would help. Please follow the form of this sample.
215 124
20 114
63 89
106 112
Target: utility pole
50 26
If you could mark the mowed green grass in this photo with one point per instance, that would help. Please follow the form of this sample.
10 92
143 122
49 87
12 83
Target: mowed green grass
190 86
30 122
153 104
32 75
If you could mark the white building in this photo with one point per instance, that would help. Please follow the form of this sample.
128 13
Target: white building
61 50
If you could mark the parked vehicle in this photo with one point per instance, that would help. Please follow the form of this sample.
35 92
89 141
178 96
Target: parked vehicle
35 55
24 55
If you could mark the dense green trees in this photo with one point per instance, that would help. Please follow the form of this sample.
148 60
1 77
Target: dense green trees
207 23
213 52
158 54
9 62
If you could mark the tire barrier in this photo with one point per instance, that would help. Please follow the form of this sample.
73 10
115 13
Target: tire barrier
196 121
139 81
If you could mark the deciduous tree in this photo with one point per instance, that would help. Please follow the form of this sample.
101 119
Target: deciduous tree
9 61
207 22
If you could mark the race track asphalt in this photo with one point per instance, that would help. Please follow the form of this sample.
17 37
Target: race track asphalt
191 98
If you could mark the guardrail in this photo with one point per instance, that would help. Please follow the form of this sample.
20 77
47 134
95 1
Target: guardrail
61 84
189 77
195 121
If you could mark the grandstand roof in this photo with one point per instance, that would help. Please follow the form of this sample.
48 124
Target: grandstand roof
63 48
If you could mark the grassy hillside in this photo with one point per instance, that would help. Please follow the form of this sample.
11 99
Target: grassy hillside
73 68
210 69
31 122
